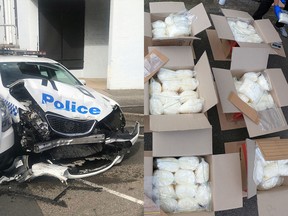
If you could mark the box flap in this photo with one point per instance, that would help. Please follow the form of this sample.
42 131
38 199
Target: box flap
274 149
279 85
148 163
228 121
243 107
280 52
251 186
249 59
182 143
216 46
202 22
222 27
265 120
206 88
273 202
166 7
146 99
227 182
179 122
152 63
180 57
225 85
147 25
236 14
266 30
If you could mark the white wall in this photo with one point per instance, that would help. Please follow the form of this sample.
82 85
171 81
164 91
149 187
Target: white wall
126 44
96 38
28 24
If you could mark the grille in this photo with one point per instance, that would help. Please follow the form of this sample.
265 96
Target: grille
69 127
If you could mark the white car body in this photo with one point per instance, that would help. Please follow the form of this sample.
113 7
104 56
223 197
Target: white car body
53 110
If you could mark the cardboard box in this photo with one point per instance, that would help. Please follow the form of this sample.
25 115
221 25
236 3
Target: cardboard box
224 173
170 128
221 38
273 201
160 10
246 60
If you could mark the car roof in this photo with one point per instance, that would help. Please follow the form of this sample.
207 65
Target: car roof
25 59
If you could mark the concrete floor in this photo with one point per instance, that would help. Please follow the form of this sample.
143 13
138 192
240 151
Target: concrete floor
220 137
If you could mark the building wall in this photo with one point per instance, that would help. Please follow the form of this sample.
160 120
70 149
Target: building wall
97 15
28 24
126 44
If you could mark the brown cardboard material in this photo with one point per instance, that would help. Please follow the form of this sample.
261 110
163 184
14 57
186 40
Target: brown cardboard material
147 124
171 126
243 107
227 121
263 27
224 172
269 202
274 149
246 60
147 32
160 10
152 63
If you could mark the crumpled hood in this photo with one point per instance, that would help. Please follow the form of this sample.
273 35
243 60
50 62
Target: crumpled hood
78 102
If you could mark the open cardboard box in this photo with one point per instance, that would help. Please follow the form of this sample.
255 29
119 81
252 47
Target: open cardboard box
168 129
247 60
273 201
160 10
221 39
224 173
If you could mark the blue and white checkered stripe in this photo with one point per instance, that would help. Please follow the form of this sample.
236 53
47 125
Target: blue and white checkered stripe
11 107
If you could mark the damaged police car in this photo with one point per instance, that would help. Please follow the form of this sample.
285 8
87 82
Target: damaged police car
52 124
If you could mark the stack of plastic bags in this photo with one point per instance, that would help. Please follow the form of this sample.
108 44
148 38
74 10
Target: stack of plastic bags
268 174
243 31
181 185
253 88
176 24
174 92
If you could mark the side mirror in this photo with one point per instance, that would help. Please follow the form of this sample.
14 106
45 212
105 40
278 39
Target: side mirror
82 81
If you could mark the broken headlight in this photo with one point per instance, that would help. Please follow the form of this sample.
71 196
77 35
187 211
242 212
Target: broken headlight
5 116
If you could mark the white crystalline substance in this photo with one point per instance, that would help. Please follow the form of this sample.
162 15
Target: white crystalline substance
237 83
189 163
271 170
202 172
158 24
168 97
164 192
283 167
178 30
172 85
168 205
186 190
203 195
183 74
271 183
156 106
171 165
155 87
189 84
262 81
194 105
166 75
186 95
183 176
159 33
162 178
244 32
172 107
253 76
258 173
188 204
266 102
252 90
